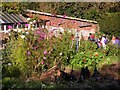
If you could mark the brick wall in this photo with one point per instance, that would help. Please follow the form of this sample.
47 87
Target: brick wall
67 23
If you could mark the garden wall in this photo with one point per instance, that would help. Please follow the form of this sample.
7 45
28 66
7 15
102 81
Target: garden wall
59 22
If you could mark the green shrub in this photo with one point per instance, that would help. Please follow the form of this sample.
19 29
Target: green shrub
87 56
112 50
37 52
10 83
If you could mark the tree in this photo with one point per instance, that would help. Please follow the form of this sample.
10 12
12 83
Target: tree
109 23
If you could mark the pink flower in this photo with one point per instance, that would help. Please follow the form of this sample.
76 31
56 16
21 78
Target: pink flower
44 58
45 52
38 32
42 62
28 53
26 25
19 23
39 28
9 27
35 48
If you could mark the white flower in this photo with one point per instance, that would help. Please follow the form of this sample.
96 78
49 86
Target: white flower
19 30
26 29
60 54
15 30
9 34
34 21
31 22
28 19
61 29
32 29
33 25
44 58
67 57
22 36
9 64
69 31
27 33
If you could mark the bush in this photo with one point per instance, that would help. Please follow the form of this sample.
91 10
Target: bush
10 83
87 56
35 51
10 71
112 50
109 23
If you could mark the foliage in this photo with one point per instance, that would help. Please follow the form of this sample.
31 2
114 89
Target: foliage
10 71
34 51
112 50
91 14
109 23
12 83
10 7
104 13
88 55
9 83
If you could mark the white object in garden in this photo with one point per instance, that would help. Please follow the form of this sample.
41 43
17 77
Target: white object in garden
8 31
22 36
34 21
15 30
33 25
9 34
19 30
28 19
9 64
32 29
29 26
69 31
5 28
31 22
17 27
60 54
61 29
103 43
27 33
26 29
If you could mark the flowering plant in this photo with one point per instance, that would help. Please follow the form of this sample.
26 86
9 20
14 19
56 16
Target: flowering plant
87 56
36 51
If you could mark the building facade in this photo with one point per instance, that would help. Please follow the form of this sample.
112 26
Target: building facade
62 23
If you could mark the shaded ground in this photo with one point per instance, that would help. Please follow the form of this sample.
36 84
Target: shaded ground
110 71
108 78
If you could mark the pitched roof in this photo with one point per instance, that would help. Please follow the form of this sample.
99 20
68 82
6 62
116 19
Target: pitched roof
6 18
61 16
